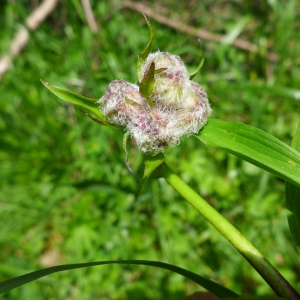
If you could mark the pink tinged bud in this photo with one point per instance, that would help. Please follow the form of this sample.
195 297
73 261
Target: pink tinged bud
169 83
171 106
167 60
194 114
121 101
146 131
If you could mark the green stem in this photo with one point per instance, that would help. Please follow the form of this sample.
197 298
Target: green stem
275 280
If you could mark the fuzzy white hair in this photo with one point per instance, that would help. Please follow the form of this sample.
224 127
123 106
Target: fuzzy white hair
179 106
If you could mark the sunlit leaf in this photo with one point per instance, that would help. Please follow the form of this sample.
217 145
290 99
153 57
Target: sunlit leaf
86 103
147 84
211 286
151 163
254 146
292 198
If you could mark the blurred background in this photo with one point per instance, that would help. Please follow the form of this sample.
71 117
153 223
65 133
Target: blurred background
66 195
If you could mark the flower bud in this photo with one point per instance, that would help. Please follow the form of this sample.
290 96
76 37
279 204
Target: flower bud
170 78
175 105
121 102
192 117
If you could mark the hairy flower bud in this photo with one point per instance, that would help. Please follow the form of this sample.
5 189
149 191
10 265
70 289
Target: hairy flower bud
171 106
170 78
193 116
121 102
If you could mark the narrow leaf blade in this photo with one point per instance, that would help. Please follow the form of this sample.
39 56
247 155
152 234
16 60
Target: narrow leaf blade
86 103
147 83
211 286
255 298
254 146
292 198
142 57
193 74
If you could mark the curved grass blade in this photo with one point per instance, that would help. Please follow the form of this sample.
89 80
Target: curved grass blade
254 146
292 196
211 286
193 74
142 57
255 298
86 103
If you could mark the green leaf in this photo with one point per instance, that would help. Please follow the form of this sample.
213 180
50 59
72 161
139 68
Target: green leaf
143 56
192 75
211 286
292 198
254 146
151 163
147 84
86 103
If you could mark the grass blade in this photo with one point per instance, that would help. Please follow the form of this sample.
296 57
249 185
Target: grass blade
86 103
211 286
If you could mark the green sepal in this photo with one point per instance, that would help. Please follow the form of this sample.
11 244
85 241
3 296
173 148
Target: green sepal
86 103
149 48
151 163
192 75
125 139
292 198
147 84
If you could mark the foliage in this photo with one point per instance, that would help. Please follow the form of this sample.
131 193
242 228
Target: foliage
66 194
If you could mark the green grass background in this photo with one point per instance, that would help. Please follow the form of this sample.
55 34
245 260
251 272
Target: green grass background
66 195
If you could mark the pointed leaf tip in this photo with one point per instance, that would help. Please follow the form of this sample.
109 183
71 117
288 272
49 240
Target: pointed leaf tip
147 84
87 103
193 74
149 48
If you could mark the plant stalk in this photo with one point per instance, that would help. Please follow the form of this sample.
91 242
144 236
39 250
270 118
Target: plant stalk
274 279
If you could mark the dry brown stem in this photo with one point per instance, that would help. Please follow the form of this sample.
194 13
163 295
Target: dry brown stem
21 39
200 33
89 15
